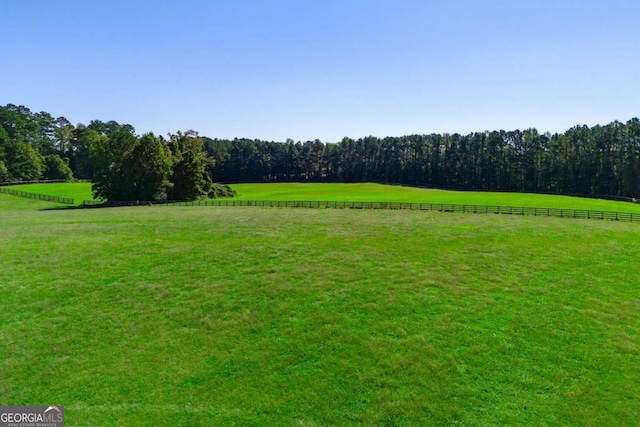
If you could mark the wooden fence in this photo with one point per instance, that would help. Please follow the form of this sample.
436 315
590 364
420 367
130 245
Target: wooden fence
46 197
439 207
504 210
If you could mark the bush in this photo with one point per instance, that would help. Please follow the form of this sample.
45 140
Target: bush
57 168
221 190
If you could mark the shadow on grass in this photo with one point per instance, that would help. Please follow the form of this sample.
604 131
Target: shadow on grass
97 206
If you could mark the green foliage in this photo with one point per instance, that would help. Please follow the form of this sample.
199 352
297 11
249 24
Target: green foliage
221 190
149 167
22 140
25 163
189 178
80 162
4 140
603 160
127 167
109 128
4 172
130 168
48 136
57 168
19 123
106 156
251 316
63 136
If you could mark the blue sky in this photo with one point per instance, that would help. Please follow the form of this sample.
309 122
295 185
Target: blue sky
324 69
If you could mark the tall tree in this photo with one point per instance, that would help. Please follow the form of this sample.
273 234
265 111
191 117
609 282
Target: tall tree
130 168
25 164
63 135
189 177
107 159
148 167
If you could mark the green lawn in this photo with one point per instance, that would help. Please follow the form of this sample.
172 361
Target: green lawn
369 192
169 315
78 191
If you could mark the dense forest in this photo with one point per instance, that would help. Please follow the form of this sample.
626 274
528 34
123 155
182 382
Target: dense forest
601 160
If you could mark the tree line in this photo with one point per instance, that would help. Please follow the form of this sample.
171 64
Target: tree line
601 160
598 160
121 165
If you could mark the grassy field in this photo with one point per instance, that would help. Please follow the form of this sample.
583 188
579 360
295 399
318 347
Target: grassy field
78 191
285 317
368 192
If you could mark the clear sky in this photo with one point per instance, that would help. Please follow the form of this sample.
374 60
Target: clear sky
307 69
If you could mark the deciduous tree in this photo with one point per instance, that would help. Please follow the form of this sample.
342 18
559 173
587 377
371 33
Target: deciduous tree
129 168
188 176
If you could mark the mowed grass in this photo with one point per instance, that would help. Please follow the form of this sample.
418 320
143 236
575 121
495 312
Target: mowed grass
78 191
370 192
310 317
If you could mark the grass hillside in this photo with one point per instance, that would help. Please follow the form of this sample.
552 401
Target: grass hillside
369 192
78 191
171 315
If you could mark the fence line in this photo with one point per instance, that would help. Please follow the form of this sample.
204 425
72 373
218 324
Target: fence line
46 197
42 181
440 207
